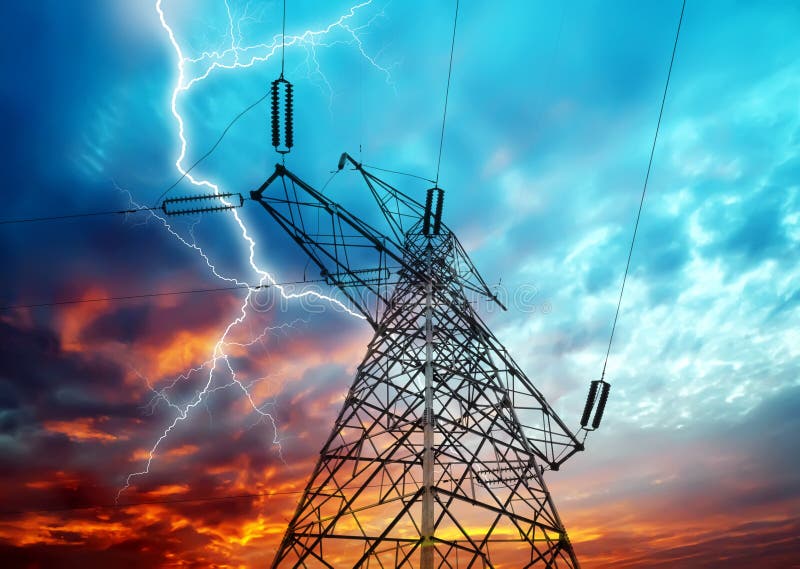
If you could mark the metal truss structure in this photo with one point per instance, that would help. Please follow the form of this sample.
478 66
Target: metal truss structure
437 457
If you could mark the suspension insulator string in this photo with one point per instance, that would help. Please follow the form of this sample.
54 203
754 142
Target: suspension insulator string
276 133
426 220
289 118
604 387
437 214
282 138
432 218
587 409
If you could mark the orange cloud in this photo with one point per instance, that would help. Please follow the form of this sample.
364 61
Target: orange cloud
72 319
81 430
186 349
168 490
184 450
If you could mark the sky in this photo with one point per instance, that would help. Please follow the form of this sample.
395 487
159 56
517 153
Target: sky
551 117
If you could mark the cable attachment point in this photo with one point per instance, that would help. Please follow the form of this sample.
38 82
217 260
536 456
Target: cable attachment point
603 387
432 220
282 141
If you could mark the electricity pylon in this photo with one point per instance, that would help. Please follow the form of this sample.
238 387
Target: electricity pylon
437 457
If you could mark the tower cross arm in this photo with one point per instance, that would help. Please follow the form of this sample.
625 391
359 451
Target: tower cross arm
360 260
404 214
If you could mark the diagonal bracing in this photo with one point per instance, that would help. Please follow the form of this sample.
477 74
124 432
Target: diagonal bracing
437 456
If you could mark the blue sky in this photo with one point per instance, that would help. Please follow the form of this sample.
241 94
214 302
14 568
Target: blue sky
552 111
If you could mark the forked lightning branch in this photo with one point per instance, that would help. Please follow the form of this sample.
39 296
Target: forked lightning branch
218 369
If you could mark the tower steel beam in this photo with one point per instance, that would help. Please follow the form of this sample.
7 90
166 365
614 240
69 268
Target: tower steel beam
437 457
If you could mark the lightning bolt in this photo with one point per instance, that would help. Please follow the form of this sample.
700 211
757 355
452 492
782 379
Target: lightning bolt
235 57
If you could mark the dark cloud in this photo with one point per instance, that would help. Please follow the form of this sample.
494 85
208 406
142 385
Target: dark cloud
40 377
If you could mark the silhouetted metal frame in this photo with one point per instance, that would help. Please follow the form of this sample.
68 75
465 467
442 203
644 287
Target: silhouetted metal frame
487 457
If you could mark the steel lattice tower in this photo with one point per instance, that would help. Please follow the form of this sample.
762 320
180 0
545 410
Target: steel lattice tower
437 456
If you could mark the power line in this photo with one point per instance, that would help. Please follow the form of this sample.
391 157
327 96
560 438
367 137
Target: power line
446 95
165 192
644 189
109 212
214 147
283 39
155 294
76 215
398 172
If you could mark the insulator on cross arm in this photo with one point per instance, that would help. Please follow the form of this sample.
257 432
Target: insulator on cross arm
426 219
275 122
288 115
587 410
601 406
604 389
437 216
432 218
